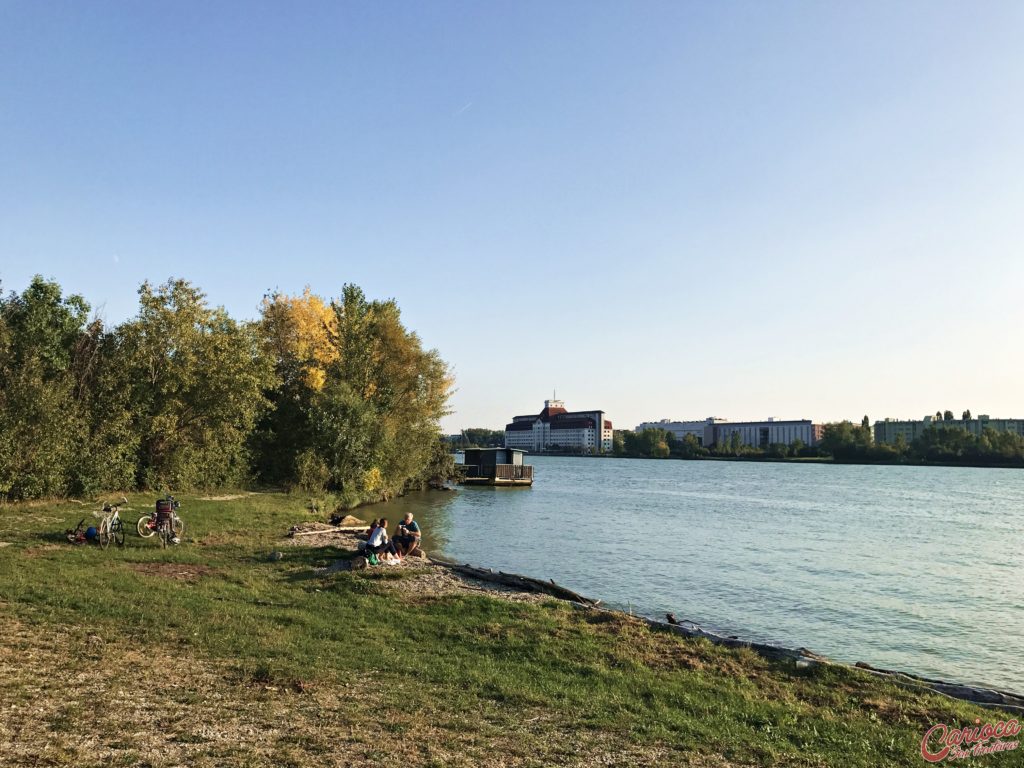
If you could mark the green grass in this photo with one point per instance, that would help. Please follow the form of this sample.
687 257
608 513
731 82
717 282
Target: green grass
227 657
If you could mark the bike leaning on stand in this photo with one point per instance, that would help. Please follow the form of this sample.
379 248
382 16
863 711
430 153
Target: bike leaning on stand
111 527
163 521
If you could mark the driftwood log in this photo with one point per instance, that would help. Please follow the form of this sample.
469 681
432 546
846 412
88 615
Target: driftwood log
322 531
524 583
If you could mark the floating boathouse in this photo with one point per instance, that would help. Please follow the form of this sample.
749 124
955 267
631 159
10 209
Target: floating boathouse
496 466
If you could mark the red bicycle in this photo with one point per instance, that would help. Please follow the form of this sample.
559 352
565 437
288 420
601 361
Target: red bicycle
163 520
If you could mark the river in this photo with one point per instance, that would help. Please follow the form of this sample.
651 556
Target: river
912 568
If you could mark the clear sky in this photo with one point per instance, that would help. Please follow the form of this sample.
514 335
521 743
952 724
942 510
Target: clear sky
683 209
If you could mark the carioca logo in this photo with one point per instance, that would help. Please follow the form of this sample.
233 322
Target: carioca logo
955 742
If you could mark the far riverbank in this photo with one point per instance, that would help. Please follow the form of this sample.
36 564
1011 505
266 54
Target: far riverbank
797 460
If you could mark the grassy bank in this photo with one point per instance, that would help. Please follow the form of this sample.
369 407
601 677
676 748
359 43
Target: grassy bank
212 653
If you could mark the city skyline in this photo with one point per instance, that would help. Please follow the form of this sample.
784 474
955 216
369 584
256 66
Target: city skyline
793 210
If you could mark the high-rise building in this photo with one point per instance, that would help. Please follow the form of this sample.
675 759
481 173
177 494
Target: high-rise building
556 429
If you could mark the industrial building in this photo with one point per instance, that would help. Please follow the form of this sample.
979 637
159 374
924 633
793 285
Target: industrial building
754 434
556 429
704 430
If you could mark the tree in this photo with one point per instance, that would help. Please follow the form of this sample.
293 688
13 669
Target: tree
375 421
865 436
938 415
299 334
478 437
947 416
198 380
966 416
42 417
690 447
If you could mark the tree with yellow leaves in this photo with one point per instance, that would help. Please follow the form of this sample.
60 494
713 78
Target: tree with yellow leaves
356 390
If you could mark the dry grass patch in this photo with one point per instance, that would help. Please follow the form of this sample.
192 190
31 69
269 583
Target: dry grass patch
73 698
176 571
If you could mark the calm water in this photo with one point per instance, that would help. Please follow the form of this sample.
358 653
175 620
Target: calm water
914 568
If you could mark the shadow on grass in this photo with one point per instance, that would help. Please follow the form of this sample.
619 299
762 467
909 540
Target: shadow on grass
302 563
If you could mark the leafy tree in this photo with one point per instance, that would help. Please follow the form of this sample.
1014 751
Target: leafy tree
966 416
947 416
477 437
690 447
846 442
42 419
198 380
300 336
375 421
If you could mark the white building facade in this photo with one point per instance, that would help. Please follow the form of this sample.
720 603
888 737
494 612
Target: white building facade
704 430
754 434
556 429
761 434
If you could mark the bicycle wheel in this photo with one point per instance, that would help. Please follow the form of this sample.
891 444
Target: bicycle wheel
104 533
143 527
117 532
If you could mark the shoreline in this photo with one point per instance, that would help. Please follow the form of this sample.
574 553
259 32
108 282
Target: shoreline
789 460
801 657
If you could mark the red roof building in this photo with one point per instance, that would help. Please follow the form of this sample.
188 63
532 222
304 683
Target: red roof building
557 430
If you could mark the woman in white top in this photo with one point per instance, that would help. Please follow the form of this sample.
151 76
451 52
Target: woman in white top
378 543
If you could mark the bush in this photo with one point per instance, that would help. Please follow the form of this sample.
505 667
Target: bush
311 472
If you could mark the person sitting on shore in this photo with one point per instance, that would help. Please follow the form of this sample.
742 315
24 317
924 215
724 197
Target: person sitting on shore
378 543
408 535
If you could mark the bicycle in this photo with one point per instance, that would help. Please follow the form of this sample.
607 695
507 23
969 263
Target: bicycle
163 520
111 528
77 535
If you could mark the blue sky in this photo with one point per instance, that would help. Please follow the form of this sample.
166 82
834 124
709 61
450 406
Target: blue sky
800 210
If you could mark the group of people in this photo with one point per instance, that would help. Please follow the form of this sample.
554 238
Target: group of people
405 540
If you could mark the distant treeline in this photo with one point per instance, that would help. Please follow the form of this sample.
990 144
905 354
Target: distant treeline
841 441
945 444
477 437
335 396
